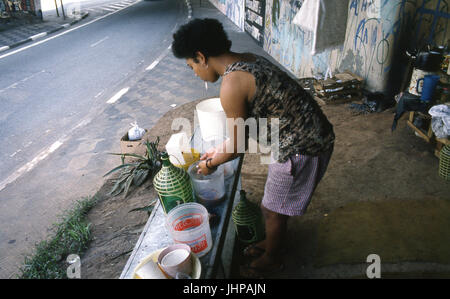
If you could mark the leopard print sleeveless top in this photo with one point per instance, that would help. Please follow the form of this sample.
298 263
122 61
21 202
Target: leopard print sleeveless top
303 127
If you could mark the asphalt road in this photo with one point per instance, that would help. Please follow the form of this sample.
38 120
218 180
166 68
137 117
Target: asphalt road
51 92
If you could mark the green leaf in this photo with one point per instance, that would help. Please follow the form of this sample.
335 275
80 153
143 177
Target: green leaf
118 186
140 177
120 167
128 184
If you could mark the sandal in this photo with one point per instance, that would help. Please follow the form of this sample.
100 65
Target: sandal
250 272
253 250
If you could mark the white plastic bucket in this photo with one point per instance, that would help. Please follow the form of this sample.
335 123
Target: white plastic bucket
188 224
212 119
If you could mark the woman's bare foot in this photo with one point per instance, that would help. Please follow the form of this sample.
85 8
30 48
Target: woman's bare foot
261 267
255 249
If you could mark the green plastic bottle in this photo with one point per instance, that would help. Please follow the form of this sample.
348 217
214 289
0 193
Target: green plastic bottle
172 184
248 221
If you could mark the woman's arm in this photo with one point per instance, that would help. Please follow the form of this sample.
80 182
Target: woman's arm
233 97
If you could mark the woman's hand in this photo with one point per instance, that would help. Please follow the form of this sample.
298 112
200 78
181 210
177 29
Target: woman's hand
211 153
201 167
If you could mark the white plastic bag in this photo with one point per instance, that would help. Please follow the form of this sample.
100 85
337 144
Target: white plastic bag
135 133
440 121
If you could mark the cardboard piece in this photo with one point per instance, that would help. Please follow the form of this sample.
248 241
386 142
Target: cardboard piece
137 147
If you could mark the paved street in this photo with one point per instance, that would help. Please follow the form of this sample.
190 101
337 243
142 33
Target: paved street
61 114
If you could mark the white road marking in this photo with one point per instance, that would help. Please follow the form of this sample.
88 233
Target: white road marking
16 152
116 5
152 66
117 96
30 165
42 155
108 9
158 60
65 32
14 85
102 40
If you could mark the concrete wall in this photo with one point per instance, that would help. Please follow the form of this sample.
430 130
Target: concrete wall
377 35
233 9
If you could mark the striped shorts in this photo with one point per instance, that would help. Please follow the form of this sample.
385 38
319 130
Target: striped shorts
290 185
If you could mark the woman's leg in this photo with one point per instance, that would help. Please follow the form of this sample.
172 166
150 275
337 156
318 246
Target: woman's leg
276 227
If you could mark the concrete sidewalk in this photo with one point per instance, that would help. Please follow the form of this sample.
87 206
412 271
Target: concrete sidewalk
22 30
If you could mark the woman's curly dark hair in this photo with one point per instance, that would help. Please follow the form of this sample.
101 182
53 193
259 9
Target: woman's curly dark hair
204 35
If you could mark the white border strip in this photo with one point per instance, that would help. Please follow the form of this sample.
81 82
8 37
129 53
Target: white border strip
39 35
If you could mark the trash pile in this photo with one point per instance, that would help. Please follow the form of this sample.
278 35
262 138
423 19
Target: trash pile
341 88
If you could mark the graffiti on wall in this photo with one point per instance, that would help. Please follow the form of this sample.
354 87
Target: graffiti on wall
373 38
374 28
432 20
284 40
17 5
233 9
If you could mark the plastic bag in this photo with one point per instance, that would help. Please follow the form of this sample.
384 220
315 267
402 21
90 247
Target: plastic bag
440 121
135 133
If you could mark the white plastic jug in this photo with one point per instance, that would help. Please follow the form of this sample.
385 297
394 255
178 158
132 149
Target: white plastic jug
188 223
177 144
212 119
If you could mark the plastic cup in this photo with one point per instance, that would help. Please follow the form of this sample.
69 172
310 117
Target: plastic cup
176 259
188 224
209 189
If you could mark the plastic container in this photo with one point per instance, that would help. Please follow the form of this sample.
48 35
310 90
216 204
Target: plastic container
212 118
217 141
188 224
177 144
175 259
180 152
209 189
172 184
228 170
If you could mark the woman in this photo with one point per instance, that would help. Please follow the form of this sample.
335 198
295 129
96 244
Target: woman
254 87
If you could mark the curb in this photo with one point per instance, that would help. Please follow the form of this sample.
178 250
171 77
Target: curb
42 34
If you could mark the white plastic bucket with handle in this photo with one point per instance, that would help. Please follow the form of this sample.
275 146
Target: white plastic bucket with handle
188 224
212 119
